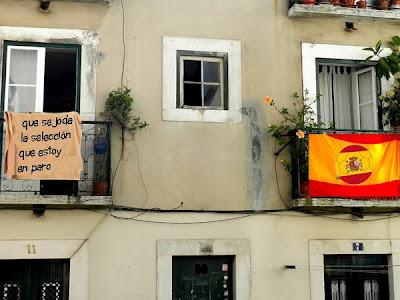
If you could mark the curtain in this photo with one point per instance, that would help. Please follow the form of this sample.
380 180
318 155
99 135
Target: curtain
325 94
335 90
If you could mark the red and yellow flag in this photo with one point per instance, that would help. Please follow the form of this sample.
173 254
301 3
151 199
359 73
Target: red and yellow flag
354 165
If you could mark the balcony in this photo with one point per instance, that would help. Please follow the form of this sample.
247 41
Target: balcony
93 189
346 169
299 10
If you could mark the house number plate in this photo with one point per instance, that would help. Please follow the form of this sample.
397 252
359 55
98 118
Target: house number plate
358 246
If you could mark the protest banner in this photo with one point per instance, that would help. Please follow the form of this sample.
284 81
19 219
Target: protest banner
43 146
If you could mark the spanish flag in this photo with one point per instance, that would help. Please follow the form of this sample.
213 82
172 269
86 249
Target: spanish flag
354 165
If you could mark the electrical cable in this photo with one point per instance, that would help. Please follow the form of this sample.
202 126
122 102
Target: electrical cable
140 173
123 43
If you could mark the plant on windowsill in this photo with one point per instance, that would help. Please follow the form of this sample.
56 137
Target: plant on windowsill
291 132
389 66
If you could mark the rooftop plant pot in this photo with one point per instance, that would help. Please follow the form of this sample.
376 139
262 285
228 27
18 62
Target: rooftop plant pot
310 2
348 3
382 4
395 4
362 4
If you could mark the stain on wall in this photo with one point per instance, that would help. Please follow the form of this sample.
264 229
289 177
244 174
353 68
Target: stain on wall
255 165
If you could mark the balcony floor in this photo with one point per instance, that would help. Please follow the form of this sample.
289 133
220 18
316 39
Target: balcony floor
345 203
55 201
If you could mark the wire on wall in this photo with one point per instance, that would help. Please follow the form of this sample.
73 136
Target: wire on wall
123 43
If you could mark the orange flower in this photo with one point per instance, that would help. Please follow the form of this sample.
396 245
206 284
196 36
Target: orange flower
300 134
268 100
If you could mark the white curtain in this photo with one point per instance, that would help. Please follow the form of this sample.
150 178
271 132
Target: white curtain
335 90
325 94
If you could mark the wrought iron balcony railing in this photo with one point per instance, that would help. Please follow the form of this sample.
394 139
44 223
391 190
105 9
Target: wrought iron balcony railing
95 176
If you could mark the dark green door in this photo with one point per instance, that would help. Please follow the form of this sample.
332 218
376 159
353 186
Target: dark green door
34 279
356 277
202 277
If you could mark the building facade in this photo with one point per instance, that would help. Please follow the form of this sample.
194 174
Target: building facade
201 208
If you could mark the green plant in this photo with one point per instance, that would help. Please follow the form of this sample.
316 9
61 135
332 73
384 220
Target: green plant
291 130
119 109
387 66
391 104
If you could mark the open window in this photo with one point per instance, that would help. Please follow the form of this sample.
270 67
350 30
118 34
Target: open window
41 77
348 95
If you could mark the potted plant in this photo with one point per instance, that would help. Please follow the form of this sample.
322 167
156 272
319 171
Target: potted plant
382 4
389 66
391 105
119 110
291 132
395 4
348 3
362 4
310 2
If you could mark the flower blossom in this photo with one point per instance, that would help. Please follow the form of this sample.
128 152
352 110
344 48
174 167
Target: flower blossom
300 134
268 100
390 93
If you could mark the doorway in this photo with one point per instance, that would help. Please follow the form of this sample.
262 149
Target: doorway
44 279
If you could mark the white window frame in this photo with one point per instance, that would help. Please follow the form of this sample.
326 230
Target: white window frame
88 40
221 82
75 250
311 52
41 56
240 249
357 97
170 111
319 248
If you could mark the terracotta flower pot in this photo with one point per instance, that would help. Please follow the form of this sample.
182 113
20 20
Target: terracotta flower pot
362 4
348 3
336 2
304 188
382 4
310 2
395 4
100 188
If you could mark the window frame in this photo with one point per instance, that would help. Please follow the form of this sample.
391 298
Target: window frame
10 44
222 58
232 49
312 52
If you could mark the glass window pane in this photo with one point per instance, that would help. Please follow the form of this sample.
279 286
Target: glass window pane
365 87
192 70
367 116
212 95
211 71
192 94
23 64
21 99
